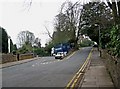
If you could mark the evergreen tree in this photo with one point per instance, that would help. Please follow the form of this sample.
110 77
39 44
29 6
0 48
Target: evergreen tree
11 46
4 41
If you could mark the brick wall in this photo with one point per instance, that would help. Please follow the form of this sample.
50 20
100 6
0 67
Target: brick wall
113 67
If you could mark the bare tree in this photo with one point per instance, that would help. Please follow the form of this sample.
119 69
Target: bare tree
73 13
25 37
115 6
37 42
27 4
48 32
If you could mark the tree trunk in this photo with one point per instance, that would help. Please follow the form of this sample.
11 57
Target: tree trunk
114 8
118 4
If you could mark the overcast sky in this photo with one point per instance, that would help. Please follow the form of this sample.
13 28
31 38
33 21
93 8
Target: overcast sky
16 17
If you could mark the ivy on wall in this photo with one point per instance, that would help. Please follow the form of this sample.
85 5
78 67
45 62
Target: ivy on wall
114 43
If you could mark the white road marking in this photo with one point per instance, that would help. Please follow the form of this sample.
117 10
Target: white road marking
51 62
33 65
47 62
37 64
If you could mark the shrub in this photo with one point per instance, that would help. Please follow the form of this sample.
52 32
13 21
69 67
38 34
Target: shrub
114 44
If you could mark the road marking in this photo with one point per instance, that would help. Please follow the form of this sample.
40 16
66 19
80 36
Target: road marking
53 61
76 80
33 65
72 83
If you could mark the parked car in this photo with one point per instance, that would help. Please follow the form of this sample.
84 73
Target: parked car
60 50
59 55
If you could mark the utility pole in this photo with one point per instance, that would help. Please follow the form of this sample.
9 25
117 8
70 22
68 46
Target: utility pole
99 41
33 50
98 35
9 44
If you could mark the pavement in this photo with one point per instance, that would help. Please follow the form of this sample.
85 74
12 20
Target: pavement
96 75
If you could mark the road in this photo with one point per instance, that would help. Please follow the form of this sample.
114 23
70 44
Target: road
44 72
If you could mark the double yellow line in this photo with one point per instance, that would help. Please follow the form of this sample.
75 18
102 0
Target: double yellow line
76 78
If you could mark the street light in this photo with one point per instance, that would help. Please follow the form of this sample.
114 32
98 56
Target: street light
9 44
33 49
98 35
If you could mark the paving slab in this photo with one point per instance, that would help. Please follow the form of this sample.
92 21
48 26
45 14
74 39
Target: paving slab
96 76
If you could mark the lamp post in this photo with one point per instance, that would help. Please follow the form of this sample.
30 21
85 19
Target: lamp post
99 41
9 44
98 35
33 50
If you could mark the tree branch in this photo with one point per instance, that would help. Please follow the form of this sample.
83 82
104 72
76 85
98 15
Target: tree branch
109 4
118 4
48 33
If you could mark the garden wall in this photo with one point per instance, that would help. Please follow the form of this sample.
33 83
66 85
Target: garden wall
113 67
11 58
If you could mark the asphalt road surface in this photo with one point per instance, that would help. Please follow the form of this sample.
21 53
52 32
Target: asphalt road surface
44 72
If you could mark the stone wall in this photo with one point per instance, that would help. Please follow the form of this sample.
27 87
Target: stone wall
113 67
8 58
25 56
11 58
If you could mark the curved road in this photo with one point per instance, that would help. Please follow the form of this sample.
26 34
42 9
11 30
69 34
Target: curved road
44 72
